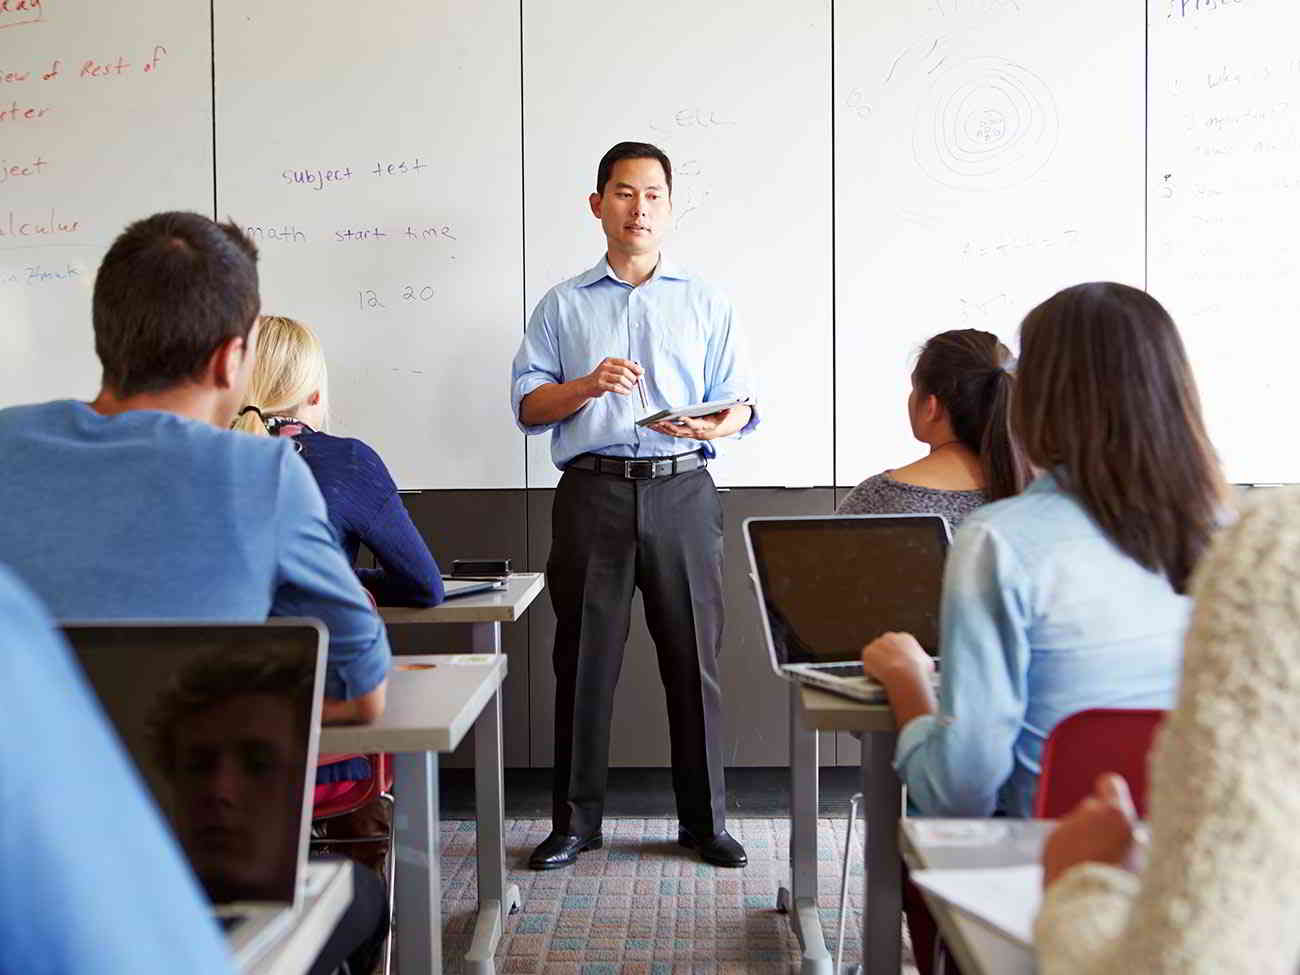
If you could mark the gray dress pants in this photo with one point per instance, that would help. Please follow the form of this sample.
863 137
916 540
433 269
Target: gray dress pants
663 536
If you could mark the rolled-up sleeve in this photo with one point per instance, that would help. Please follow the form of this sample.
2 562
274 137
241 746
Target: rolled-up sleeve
727 369
315 579
538 360
953 763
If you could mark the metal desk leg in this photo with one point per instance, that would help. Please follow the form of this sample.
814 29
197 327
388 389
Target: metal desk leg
418 911
882 919
800 900
495 899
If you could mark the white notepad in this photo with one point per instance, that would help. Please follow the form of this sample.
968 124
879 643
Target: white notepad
1007 898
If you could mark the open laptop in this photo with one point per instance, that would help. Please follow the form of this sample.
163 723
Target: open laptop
222 721
828 585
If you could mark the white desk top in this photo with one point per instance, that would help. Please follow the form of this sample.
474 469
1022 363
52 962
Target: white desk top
433 700
979 949
297 949
823 711
499 606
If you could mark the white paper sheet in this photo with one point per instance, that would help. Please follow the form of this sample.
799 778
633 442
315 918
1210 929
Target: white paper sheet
1005 897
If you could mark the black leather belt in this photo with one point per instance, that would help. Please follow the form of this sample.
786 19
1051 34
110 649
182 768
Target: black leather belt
639 468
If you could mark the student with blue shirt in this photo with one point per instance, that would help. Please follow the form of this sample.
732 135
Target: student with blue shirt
635 507
142 504
93 881
1071 595
287 397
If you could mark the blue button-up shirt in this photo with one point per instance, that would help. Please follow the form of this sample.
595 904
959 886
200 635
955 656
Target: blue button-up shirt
681 331
1042 616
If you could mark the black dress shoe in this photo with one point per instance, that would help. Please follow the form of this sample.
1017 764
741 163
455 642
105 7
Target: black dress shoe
721 850
562 849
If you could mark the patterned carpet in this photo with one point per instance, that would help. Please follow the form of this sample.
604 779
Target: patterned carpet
643 905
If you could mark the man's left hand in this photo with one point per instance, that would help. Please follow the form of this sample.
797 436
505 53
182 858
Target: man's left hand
693 427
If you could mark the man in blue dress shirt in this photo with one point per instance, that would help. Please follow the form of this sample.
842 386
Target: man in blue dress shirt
636 507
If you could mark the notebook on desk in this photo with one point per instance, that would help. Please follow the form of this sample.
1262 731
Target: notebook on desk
829 584
222 721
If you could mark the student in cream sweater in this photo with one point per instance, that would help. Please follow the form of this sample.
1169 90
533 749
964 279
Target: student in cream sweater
1220 892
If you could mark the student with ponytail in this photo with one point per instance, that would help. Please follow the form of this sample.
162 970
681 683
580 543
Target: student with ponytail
287 397
960 406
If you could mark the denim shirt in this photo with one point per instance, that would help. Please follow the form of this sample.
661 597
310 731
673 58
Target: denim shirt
681 331
1042 616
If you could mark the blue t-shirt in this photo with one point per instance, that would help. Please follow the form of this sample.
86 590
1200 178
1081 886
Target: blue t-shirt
93 882
150 515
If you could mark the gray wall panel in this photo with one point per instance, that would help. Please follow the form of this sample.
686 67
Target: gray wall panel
753 698
472 524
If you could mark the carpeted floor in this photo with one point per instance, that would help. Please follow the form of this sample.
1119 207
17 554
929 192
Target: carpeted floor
645 905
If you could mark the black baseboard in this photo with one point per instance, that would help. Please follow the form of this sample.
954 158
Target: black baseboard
643 793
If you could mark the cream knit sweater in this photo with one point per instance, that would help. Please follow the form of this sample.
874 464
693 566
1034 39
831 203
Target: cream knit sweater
1221 891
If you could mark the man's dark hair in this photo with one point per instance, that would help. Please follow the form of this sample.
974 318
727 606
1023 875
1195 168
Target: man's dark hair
220 676
171 289
631 150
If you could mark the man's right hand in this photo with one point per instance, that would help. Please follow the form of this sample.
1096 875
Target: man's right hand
613 376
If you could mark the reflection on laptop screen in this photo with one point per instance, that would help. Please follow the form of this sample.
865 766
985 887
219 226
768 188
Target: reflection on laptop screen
218 721
831 585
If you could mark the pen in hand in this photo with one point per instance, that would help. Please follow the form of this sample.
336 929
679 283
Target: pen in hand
640 388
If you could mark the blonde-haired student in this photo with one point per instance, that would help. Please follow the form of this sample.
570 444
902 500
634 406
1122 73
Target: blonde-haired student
288 397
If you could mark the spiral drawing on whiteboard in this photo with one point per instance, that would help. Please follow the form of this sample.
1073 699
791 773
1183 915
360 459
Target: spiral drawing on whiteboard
987 124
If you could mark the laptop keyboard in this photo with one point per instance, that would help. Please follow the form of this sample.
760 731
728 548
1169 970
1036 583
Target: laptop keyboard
841 670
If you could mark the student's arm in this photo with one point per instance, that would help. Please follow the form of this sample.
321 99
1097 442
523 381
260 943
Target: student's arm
360 710
93 881
315 579
1218 892
407 573
954 762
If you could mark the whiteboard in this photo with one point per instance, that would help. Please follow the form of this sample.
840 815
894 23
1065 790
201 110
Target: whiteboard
375 156
988 153
106 119
1224 190
740 101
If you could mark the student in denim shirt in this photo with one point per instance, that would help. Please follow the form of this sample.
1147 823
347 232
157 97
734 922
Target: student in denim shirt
1071 595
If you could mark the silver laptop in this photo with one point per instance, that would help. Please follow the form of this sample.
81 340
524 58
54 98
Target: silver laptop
223 721
827 585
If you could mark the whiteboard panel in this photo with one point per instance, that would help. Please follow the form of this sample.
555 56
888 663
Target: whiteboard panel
987 155
1224 186
106 119
741 104
376 160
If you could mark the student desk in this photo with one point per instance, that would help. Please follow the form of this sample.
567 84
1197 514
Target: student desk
484 612
978 948
812 711
430 709
296 950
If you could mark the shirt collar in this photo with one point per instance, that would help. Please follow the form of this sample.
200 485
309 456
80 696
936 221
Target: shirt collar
601 270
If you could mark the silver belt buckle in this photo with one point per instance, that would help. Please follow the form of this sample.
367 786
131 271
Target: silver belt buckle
629 466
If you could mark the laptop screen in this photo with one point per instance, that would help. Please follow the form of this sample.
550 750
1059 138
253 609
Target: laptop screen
830 585
220 720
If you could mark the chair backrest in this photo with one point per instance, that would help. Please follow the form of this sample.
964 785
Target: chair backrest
1085 745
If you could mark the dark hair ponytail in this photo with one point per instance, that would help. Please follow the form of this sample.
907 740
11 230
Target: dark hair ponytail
969 372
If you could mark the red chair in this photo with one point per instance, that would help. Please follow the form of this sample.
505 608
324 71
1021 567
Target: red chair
340 798
1085 745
